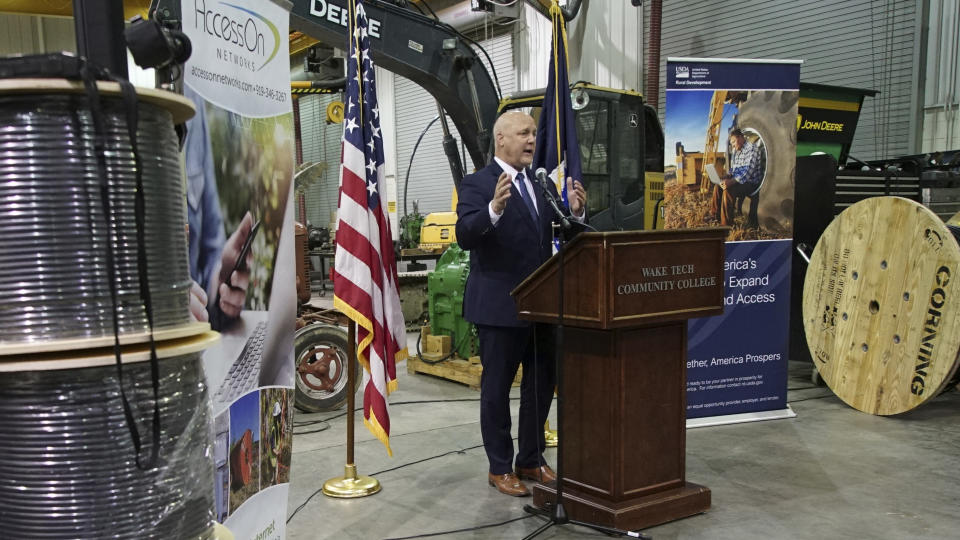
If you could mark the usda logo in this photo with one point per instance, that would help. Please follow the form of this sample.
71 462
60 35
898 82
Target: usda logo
683 72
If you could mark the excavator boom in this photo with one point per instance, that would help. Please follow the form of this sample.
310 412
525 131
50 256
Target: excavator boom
427 52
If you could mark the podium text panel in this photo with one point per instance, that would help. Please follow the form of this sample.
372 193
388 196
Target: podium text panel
660 280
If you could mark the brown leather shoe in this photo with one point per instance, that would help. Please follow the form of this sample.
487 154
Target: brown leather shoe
543 474
508 484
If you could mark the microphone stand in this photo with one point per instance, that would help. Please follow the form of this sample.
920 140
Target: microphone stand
559 515
563 217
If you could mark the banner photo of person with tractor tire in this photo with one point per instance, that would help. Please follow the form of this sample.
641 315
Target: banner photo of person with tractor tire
730 128
239 160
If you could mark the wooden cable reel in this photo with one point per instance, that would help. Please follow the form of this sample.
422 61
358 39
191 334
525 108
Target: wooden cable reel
881 303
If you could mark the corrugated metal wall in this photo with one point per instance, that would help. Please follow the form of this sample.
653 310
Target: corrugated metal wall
321 143
606 42
856 43
29 34
26 34
941 104
532 51
430 183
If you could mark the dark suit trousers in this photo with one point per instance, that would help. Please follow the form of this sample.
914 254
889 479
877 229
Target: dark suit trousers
502 350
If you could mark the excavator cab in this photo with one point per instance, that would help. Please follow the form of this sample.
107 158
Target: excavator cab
621 153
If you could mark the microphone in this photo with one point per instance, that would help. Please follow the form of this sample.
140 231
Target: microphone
541 175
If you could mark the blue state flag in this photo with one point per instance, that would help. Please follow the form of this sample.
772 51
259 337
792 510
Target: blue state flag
557 149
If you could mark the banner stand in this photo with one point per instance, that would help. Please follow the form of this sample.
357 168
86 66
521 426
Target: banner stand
730 127
239 157
727 419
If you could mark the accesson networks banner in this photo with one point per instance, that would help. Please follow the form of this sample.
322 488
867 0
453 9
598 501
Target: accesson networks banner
730 128
239 157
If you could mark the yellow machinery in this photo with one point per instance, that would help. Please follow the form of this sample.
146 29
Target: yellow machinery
653 201
438 230
713 138
690 166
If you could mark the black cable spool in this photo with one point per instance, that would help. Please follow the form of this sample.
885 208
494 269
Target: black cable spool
67 467
75 231
53 282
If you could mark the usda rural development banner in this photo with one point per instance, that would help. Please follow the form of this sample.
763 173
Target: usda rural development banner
239 161
730 128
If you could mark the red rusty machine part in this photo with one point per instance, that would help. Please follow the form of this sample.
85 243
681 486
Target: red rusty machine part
303 262
241 461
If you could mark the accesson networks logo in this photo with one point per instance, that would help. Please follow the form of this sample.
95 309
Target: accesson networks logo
242 30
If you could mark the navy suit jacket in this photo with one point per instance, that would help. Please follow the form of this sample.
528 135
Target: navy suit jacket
501 256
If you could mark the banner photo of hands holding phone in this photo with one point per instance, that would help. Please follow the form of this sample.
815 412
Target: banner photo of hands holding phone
239 162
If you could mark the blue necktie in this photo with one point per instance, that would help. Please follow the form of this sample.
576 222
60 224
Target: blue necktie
522 188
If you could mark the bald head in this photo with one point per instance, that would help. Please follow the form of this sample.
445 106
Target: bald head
515 134
509 118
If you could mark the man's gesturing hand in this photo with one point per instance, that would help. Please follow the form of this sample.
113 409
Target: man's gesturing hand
577 196
501 193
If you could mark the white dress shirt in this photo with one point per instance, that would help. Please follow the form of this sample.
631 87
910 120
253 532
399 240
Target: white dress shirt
527 185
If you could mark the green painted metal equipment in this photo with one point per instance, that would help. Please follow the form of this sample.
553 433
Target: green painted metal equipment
827 118
410 229
445 288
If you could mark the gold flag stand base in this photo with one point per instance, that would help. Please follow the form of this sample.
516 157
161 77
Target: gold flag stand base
351 486
550 435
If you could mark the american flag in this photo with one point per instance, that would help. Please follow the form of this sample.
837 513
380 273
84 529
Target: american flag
365 271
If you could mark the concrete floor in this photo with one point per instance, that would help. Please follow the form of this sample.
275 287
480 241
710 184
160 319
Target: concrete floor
832 472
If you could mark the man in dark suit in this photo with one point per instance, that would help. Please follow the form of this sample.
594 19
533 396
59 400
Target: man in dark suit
504 220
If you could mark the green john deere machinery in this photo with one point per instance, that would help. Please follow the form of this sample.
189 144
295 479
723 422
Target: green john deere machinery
827 119
410 228
445 287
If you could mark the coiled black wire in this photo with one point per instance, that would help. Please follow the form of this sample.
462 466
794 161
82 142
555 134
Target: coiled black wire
67 466
53 234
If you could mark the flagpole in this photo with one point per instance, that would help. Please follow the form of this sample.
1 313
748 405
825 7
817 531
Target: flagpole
351 486
361 265
355 45
351 382
557 20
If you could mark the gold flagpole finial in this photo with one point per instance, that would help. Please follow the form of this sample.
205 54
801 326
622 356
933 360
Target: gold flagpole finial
555 8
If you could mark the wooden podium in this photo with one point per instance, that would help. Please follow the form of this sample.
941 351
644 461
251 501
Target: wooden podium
626 300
